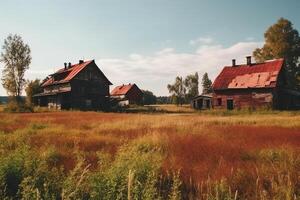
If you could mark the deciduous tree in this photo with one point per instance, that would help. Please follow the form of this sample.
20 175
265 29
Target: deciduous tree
16 58
32 87
148 97
178 90
282 41
191 83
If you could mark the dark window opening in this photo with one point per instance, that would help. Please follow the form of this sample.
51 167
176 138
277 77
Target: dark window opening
207 103
219 101
230 104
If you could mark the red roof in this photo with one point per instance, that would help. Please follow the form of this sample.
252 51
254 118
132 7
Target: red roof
256 75
69 73
121 90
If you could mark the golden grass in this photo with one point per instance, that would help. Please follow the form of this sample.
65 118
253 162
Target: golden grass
200 144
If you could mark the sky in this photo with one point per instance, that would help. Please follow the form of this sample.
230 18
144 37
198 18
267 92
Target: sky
147 42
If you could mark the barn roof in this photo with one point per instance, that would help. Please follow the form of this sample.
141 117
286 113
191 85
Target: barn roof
69 73
121 89
255 75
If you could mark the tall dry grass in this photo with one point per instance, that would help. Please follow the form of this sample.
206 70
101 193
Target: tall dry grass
218 156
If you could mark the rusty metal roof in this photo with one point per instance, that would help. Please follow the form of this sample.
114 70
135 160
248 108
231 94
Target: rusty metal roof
53 92
69 73
257 75
121 90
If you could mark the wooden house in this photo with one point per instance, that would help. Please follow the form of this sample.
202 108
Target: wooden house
79 86
254 85
202 102
127 94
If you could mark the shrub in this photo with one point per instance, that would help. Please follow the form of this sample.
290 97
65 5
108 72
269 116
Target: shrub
17 107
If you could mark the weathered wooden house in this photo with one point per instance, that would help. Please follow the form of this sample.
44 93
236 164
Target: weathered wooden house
253 85
202 102
79 86
127 94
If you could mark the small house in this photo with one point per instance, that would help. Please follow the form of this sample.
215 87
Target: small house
75 86
127 94
254 85
202 102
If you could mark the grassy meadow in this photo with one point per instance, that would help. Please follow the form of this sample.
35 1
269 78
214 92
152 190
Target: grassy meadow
175 154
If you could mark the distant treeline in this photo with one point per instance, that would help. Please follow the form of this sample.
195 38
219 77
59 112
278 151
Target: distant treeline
164 100
5 99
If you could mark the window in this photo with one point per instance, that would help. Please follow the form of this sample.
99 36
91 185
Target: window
219 101
88 102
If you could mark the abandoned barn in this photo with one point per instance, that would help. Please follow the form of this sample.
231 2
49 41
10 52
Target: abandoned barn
202 102
254 85
127 94
79 86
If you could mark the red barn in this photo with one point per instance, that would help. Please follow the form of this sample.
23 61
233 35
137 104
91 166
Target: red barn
127 94
254 85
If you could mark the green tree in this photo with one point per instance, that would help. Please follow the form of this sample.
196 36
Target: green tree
148 97
206 84
191 83
282 41
16 58
177 90
32 87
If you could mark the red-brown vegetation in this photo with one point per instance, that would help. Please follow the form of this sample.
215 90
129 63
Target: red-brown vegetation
198 145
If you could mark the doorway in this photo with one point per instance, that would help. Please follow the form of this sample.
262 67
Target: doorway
207 103
229 104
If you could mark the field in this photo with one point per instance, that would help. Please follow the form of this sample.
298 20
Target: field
172 155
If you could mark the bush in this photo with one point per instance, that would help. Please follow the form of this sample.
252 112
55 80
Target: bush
16 107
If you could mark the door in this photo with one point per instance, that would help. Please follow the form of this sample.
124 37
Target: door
229 104
200 103
207 103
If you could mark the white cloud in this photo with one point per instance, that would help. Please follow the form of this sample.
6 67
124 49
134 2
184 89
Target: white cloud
154 72
202 40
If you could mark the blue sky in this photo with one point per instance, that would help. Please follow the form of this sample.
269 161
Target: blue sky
144 41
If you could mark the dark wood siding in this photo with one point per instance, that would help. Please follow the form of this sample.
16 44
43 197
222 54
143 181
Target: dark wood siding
134 95
88 90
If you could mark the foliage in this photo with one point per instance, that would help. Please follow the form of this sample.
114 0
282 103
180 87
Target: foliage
191 84
32 87
175 193
148 98
15 106
177 90
76 184
16 58
282 41
163 100
183 90
133 173
206 84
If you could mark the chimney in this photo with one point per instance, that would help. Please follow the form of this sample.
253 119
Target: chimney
80 61
248 60
69 66
233 63
65 65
